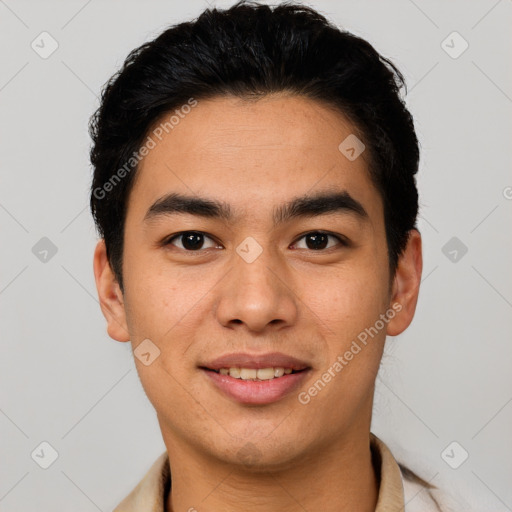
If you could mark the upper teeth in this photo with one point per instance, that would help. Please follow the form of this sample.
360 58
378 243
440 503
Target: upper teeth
252 373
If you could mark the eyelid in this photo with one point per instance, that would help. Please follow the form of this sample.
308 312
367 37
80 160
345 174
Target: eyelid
342 241
169 239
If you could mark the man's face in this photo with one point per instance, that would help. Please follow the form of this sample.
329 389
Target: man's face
258 283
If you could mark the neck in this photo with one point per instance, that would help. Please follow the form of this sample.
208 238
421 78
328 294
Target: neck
338 478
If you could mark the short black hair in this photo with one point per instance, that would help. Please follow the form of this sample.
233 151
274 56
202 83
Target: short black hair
249 51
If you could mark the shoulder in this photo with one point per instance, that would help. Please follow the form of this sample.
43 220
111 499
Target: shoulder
447 495
421 496
151 492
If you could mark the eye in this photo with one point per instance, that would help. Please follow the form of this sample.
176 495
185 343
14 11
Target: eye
191 241
319 240
194 241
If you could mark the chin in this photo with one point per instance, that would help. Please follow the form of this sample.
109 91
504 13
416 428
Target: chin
262 455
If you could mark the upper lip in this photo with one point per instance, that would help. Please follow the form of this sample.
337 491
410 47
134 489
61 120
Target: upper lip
256 361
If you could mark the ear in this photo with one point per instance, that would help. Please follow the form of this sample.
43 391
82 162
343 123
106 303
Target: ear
110 295
406 285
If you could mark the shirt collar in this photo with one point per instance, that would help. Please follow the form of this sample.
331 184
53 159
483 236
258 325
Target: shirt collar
151 492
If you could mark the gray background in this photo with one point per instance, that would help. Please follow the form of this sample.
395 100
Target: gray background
63 381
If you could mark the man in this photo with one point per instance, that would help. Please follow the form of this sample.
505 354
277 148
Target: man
254 191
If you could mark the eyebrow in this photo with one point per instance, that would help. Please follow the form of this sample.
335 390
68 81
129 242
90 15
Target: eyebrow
298 207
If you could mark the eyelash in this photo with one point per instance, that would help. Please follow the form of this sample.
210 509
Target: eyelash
341 240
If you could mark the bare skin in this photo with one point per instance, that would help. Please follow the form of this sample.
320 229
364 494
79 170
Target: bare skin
196 305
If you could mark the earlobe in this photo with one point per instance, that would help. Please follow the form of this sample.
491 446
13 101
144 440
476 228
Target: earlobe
110 295
406 284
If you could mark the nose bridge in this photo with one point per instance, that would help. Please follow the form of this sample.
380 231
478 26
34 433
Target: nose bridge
255 292
256 277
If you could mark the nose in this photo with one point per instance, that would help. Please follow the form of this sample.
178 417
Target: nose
257 296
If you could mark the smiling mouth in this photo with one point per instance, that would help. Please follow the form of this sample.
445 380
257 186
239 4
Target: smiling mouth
253 374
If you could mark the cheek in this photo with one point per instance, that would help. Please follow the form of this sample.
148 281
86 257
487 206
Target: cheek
348 305
348 299
167 307
159 311
155 299
162 309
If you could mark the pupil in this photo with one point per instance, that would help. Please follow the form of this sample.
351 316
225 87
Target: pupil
318 241
192 241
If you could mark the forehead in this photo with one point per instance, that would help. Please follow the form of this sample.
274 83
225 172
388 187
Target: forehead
252 154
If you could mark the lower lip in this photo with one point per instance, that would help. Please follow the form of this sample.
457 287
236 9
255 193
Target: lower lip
257 392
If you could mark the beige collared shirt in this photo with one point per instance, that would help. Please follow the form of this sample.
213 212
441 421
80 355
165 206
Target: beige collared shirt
396 494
